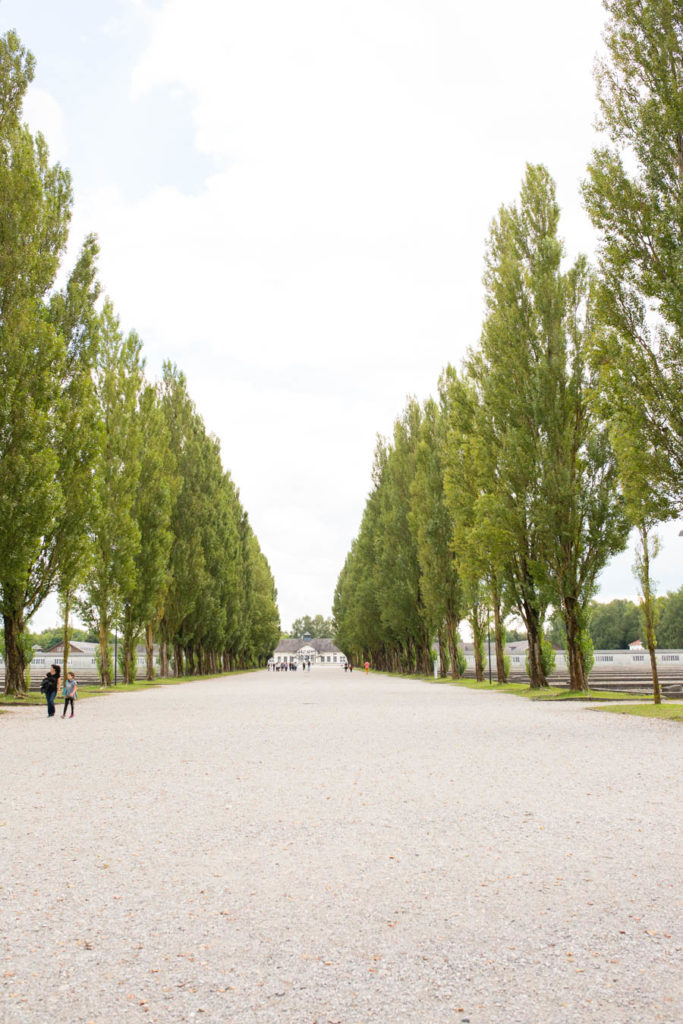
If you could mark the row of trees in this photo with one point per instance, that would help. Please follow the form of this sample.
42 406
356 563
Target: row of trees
563 429
111 491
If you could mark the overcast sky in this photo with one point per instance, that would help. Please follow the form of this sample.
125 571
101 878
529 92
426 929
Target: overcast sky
292 200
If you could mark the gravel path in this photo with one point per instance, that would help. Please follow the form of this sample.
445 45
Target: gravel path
332 849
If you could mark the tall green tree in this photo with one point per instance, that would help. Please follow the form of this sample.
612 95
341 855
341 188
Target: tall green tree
554 477
633 196
143 590
73 314
45 450
359 630
187 562
116 536
479 541
440 585
520 330
396 571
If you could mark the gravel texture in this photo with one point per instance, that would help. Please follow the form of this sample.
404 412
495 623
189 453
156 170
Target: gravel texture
339 849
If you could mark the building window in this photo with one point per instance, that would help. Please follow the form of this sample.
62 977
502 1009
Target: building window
670 657
638 657
604 657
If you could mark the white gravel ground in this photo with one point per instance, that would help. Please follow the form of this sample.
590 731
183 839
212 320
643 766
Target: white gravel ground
334 849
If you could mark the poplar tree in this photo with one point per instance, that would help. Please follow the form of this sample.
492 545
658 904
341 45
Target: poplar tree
633 196
397 568
45 450
359 631
143 590
73 314
519 330
479 541
116 533
553 477
440 585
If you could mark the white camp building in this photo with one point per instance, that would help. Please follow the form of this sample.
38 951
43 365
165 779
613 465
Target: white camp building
307 650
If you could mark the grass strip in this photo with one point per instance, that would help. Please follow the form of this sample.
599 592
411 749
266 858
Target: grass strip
88 690
524 690
669 712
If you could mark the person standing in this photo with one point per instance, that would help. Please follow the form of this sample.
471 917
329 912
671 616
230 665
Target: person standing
367 667
49 686
70 693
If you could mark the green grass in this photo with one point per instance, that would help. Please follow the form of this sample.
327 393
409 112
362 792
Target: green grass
88 690
670 712
524 690
547 693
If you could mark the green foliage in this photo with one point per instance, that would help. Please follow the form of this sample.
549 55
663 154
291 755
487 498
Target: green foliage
633 196
441 586
587 655
110 488
670 610
46 447
316 625
116 536
614 625
547 485
461 660
379 608
47 638
220 601
556 630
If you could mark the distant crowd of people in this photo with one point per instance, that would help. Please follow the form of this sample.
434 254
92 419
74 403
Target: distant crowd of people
292 666
288 666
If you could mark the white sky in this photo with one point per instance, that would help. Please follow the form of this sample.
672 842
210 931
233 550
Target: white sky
292 201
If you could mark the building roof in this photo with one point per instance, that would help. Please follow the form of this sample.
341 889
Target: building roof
293 644
89 648
75 647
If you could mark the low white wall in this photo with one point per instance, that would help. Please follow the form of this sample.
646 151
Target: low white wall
603 659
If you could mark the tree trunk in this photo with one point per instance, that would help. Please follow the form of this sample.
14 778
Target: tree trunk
189 660
531 621
15 663
478 637
177 661
105 675
498 630
65 637
648 610
129 656
149 650
164 663
577 675
443 653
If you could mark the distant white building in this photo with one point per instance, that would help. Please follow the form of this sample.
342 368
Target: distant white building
308 650
83 658
635 657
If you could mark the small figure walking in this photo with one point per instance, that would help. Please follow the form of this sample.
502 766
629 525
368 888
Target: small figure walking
367 667
70 693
